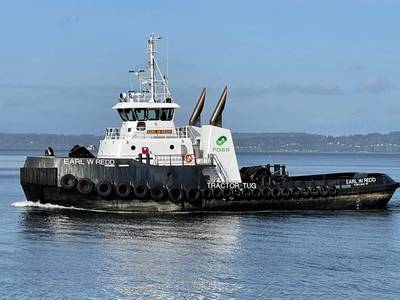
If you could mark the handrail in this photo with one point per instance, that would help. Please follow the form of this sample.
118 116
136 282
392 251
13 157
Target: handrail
179 160
114 133
220 169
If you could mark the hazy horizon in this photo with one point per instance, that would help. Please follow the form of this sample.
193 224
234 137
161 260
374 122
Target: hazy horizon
291 66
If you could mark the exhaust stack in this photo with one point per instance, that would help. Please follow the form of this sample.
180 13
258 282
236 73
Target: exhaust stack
216 118
195 119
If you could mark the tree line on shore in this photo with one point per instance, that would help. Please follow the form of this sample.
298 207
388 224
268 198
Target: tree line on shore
244 142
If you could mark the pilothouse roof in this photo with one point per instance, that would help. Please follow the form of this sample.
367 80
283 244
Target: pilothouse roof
145 105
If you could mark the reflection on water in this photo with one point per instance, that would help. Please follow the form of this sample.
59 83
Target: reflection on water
73 254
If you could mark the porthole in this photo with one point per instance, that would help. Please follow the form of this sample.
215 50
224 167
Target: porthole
172 147
133 148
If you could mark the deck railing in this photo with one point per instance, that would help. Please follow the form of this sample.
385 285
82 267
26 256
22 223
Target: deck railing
178 132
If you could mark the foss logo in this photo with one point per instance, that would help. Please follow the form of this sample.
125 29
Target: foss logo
220 142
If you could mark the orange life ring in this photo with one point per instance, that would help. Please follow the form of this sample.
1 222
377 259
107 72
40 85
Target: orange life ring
188 158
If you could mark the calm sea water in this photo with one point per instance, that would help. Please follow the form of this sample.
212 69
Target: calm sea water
55 253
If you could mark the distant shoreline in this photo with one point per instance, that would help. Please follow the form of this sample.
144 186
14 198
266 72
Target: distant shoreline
244 142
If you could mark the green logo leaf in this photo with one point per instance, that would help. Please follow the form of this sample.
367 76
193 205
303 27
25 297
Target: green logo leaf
221 140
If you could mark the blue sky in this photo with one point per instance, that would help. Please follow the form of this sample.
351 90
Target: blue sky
329 67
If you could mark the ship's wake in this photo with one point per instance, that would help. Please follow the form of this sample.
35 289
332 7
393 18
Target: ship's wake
43 205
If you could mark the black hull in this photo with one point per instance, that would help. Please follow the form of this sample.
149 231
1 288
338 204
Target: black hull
40 179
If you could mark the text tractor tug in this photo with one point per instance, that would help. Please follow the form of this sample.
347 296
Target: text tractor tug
150 165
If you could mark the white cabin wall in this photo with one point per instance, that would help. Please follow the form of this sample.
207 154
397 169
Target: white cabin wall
122 148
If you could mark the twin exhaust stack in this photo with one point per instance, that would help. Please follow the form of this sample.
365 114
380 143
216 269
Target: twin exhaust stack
216 117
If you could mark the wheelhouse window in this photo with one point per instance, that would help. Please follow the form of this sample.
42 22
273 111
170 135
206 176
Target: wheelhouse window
141 114
130 115
153 114
122 114
167 114
144 114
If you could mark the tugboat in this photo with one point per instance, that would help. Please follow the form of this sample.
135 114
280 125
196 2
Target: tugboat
150 165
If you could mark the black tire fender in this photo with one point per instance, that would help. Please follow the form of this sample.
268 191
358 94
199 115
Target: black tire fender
104 188
207 193
296 192
266 193
123 190
192 195
68 182
276 192
226 193
157 193
324 191
305 192
85 186
141 191
175 194
256 193
217 193
314 191
333 191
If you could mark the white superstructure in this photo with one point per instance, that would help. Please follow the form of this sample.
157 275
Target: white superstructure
148 132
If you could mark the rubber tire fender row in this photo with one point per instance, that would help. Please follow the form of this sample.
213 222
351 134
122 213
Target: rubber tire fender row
305 192
175 194
217 193
324 191
333 191
296 192
246 193
276 192
192 195
226 193
157 193
207 193
104 188
141 191
314 191
123 190
68 182
236 194
256 193
286 193
85 186
266 193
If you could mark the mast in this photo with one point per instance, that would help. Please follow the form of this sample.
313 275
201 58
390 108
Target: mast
151 44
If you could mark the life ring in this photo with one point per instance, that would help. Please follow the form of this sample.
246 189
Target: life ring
141 191
123 190
296 192
192 195
256 193
175 194
217 193
157 193
85 186
68 182
207 193
104 188
188 158
333 191
266 193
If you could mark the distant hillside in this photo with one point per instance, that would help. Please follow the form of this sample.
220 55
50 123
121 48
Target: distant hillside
42 141
304 142
245 142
